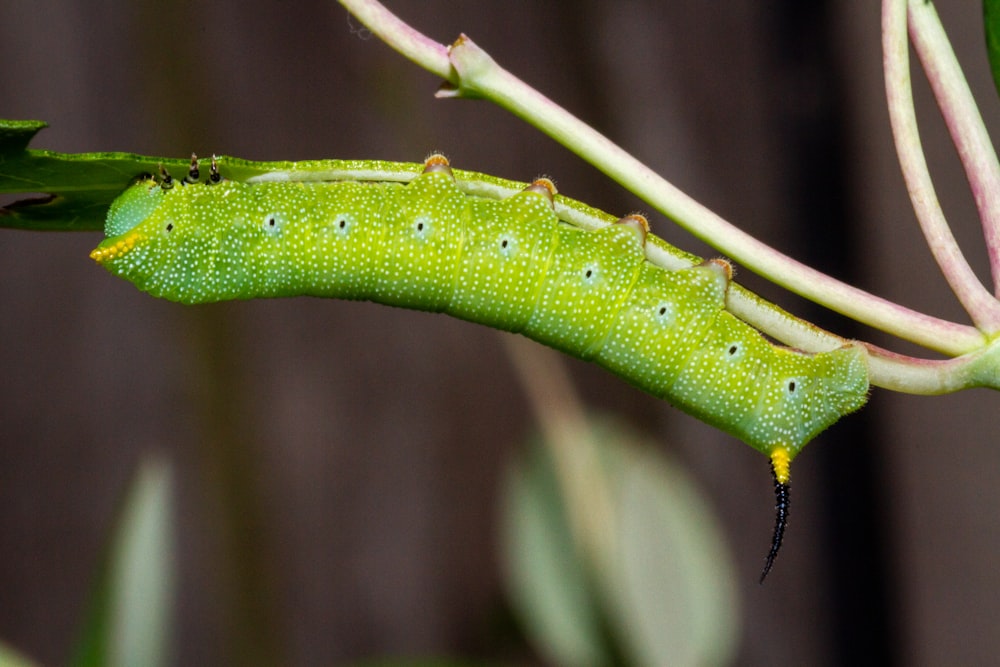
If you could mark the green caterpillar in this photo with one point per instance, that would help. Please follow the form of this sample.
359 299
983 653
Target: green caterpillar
510 264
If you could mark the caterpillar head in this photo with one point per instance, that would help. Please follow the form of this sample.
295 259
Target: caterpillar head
127 211
137 204
149 240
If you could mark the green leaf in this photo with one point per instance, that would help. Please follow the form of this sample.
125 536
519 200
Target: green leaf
130 612
72 191
11 658
546 576
15 134
69 191
672 583
991 21
658 588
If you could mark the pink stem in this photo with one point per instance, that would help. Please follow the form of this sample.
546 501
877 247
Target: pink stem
964 122
975 298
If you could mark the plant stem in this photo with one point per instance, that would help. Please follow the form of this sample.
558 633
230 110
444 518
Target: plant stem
930 377
480 76
964 122
471 72
977 300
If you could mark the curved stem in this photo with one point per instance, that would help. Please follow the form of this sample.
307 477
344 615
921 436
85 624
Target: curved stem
411 43
965 124
928 377
481 76
471 72
474 73
977 300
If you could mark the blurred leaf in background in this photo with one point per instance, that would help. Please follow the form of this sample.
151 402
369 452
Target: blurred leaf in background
11 658
659 589
129 621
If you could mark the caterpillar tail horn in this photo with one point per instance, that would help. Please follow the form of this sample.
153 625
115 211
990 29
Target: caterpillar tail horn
780 471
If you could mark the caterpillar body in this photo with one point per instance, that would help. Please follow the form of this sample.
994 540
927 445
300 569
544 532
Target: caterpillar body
511 264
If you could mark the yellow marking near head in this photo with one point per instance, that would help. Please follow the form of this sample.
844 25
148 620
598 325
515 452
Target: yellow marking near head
780 462
102 254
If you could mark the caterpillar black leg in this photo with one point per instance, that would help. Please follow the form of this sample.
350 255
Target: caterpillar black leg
213 175
780 472
193 172
166 180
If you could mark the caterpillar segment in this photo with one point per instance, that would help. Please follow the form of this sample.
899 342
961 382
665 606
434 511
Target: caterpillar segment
511 264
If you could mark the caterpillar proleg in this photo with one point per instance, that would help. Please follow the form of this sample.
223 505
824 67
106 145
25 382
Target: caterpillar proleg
511 264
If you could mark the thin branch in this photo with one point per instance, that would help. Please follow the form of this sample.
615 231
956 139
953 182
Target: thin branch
965 123
411 43
480 76
976 299
474 73
929 377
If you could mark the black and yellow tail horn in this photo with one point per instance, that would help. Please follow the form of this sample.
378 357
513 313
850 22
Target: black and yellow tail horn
780 471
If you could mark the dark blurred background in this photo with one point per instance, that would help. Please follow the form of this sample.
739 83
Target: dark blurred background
338 464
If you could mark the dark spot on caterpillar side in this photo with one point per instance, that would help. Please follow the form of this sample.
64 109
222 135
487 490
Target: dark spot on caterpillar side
273 223
503 244
423 227
170 226
791 386
589 273
341 224
733 349
665 313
